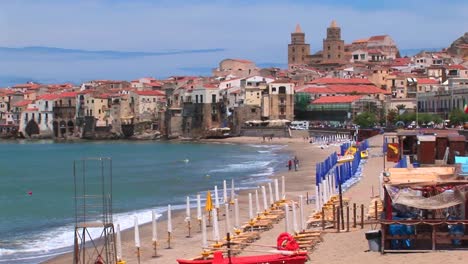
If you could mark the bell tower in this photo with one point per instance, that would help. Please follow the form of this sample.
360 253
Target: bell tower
333 45
298 50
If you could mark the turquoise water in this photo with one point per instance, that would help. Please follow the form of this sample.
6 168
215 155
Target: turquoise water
36 185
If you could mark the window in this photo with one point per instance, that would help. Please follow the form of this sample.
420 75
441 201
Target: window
26 117
303 50
339 56
196 99
363 56
328 47
69 102
99 111
154 100
293 59
92 101
293 50
356 57
213 98
402 82
253 110
273 89
328 56
201 98
339 47
90 112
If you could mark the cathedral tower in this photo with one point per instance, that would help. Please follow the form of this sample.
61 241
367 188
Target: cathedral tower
298 50
333 45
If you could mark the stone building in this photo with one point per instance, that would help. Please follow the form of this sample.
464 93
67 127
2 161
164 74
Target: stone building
333 46
235 67
298 49
279 102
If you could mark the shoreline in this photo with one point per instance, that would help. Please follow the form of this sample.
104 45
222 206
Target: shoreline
192 245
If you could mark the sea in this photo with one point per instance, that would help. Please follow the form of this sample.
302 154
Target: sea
37 185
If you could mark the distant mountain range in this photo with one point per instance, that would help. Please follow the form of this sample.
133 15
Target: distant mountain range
99 54
412 52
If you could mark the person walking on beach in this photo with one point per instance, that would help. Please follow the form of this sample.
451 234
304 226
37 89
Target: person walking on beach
296 163
290 164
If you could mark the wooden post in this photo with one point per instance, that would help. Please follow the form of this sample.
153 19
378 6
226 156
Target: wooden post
168 240
189 228
323 218
375 210
347 218
334 217
307 197
382 241
354 215
338 225
138 255
362 216
433 237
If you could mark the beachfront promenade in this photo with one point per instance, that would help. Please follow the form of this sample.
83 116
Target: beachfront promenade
336 248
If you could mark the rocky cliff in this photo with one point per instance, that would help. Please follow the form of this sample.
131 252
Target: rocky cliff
454 48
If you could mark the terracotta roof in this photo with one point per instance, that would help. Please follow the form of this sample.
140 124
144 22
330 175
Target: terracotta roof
282 81
364 40
427 81
340 81
23 103
337 99
456 67
315 90
210 86
32 109
242 60
68 95
374 51
360 89
377 38
48 97
150 93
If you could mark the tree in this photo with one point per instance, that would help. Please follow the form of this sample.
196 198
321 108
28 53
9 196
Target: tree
392 116
457 117
365 119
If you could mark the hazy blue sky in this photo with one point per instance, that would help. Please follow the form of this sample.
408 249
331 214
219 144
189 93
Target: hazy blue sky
258 31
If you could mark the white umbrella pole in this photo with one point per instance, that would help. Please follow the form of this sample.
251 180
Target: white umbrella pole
277 198
169 226
257 204
265 203
294 219
270 191
228 220
187 216
155 232
236 213
225 197
118 246
301 213
250 207
286 218
283 188
199 211
137 238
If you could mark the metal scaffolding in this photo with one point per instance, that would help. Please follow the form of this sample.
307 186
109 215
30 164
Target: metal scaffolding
94 227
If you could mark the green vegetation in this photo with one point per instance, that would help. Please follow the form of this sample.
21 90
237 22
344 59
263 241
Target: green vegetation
365 119
458 117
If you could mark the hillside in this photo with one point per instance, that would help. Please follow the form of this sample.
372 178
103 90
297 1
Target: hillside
455 47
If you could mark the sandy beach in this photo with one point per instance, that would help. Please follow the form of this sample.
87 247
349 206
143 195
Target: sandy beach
336 248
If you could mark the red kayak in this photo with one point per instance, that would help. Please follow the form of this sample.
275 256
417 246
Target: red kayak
287 253
299 258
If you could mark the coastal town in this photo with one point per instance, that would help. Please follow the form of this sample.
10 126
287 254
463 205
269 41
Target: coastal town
331 87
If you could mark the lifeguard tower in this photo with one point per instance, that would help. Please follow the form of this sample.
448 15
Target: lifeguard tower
94 227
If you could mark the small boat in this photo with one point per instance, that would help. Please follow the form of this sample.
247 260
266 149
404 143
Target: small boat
296 258
364 154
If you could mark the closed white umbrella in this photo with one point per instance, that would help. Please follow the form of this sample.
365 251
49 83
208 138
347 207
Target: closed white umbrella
283 188
187 209
277 190
286 218
204 237
236 213
155 232
270 190
250 207
199 211
301 213
216 197
137 238
265 203
169 225
257 203
118 246
225 197
233 193
294 219
215 227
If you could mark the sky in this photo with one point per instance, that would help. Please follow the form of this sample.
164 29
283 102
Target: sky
192 36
